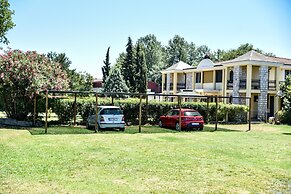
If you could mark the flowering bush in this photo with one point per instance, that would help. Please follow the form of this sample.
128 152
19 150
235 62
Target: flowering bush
24 74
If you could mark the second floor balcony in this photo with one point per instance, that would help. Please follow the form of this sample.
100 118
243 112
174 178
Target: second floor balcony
255 84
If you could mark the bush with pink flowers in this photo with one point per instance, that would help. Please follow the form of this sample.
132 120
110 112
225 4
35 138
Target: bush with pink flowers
24 74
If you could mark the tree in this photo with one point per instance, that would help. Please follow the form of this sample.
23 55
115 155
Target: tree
140 70
155 57
78 81
242 49
106 67
60 58
24 74
115 82
6 22
285 88
177 50
128 66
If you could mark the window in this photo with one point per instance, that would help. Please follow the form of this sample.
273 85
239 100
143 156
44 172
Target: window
287 72
218 76
111 111
198 77
191 113
231 75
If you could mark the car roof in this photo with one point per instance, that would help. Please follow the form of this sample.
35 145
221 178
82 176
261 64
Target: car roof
186 109
108 107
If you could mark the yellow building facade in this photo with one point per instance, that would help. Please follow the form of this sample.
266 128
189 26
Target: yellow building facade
250 75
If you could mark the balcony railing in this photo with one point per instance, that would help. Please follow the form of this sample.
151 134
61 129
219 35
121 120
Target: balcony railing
229 84
272 85
181 86
255 84
242 84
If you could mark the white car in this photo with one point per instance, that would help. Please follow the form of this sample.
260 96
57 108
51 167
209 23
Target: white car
108 117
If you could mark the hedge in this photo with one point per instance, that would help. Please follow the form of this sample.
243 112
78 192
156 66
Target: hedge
130 106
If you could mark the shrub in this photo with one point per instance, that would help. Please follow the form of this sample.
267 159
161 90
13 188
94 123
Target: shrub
24 74
130 107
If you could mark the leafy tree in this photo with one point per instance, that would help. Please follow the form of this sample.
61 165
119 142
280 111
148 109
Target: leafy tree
141 70
242 49
285 88
155 57
177 50
78 81
24 74
128 66
60 58
106 67
198 54
115 82
6 22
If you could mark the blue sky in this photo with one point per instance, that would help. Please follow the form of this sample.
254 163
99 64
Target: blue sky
83 29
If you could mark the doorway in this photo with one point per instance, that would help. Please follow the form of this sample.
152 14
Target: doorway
271 106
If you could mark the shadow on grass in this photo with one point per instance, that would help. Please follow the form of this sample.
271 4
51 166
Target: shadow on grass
286 133
62 130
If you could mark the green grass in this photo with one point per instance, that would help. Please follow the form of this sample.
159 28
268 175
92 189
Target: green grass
155 161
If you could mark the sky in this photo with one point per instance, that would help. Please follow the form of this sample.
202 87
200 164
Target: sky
84 29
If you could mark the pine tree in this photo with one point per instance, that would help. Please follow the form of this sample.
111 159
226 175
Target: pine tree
106 67
140 70
115 82
128 67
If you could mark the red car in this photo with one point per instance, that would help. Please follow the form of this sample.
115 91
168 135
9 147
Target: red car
189 119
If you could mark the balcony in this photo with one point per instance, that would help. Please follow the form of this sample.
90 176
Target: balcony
181 86
272 85
255 84
242 84
229 84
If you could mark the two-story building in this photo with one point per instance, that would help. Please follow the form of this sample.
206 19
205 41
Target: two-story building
250 75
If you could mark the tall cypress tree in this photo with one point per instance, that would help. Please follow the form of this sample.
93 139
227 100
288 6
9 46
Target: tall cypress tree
115 81
106 67
128 66
140 70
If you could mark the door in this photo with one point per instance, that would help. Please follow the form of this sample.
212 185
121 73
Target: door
255 106
173 119
271 106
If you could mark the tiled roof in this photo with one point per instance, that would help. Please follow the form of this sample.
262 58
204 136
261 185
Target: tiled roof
282 60
179 66
255 56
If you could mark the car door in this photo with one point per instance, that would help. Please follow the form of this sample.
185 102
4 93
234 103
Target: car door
167 119
173 118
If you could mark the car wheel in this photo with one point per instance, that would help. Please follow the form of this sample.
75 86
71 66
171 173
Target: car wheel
161 124
122 129
200 129
177 127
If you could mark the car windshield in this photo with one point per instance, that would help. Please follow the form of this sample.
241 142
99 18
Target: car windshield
111 111
192 113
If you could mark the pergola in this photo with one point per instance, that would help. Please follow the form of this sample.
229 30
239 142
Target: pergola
141 96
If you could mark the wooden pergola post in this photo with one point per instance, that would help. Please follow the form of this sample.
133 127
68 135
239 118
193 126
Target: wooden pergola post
180 120
250 111
96 114
75 109
216 110
112 100
140 108
207 109
46 111
34 110
147 107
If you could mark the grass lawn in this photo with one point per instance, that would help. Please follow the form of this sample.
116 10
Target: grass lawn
76 160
